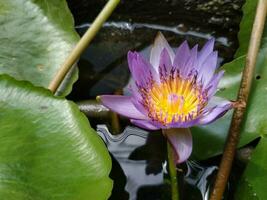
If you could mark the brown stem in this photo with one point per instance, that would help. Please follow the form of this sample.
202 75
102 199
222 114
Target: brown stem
115 121
244 90
82 44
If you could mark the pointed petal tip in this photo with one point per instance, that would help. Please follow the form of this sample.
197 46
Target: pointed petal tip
160 42
215 53
159 36
210 43
183 48
131 55
216 112
185 42
211 40
195 47
221 72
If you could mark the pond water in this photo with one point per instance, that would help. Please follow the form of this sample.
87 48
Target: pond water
139 158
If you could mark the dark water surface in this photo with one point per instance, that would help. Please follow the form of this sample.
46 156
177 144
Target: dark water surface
139 158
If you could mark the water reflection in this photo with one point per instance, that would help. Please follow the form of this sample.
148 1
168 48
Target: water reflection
177 29
139 167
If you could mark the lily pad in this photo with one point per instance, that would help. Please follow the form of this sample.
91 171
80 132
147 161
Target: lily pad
252 185
47 149
246 24
36 37
214 136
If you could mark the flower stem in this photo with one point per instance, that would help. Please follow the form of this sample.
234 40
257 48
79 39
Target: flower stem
245 86
173 172
82 44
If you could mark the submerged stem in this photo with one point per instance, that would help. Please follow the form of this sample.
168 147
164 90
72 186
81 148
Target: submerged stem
173 173
245 86
172 169
82 44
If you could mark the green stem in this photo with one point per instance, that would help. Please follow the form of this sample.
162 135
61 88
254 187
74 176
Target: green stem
82 44
173 172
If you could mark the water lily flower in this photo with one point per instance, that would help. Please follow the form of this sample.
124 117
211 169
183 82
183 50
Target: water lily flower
172 90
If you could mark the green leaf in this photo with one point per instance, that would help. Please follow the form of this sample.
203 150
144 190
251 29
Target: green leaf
47 149
254 178
214 135
252 185
249 10
36 37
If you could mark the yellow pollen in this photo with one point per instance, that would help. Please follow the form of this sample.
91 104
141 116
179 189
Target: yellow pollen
173 100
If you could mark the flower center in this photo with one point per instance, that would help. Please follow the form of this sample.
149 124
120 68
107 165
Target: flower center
174 100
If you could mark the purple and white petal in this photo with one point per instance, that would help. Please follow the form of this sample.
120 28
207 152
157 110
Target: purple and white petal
165 64
133 90
182 56
207 69
122 105
211 114
213 84
185 124
141 70
191 62
144 124
205 51
159 44
181 141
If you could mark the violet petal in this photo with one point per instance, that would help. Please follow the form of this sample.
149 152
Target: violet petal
122 105
165 64
181 141
191 62
215 112
141 70
144 124
213 84
206 71
134 90
182 55
205 51
185 124
159 44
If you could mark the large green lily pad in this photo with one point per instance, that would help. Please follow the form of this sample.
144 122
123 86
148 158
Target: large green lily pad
47 149
36 37
252 186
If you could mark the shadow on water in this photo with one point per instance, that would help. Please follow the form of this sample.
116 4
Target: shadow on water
139 167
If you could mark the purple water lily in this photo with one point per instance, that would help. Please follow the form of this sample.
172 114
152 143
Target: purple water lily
173 90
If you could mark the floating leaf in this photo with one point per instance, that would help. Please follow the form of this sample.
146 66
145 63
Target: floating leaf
254 178
249 10
36 37
47 148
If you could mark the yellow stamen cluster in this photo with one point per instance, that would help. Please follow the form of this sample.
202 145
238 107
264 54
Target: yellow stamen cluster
173 100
